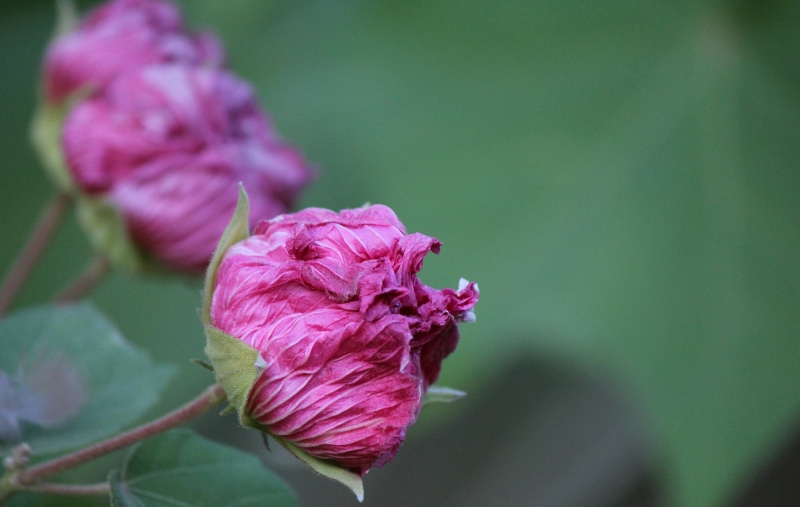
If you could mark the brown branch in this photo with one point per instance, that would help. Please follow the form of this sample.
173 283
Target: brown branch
210 397
46 226
94 272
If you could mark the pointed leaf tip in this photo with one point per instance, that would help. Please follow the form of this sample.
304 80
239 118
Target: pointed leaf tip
326 468
67 17
238 229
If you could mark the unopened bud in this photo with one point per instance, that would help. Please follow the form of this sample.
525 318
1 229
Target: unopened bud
348 338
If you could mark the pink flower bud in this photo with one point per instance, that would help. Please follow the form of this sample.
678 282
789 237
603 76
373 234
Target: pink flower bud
121 36
349 337
167 146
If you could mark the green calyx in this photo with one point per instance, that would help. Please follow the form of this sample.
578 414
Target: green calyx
238 229
234 361
234 365
323 467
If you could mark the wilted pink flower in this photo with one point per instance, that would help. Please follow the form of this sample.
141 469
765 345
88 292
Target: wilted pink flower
349 336
122 36
168 145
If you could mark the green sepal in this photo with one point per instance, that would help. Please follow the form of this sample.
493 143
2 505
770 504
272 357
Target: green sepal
437 394
323 467
67 18
45 133
227 410
45 130
234 365
45 137
234 361
108 233
202 363
237 230
326 468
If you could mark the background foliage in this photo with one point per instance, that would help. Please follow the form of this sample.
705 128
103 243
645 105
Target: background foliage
620 177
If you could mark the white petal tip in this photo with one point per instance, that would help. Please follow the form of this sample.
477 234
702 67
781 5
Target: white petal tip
260 364
437 394
468 316
462 284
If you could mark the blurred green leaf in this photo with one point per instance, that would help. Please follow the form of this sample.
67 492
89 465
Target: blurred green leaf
181 468
122 381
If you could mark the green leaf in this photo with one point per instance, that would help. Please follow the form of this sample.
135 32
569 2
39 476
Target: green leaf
123 383
181 468
237 230
234 365
437 394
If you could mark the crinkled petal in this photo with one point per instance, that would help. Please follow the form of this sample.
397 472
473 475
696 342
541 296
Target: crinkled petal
350 336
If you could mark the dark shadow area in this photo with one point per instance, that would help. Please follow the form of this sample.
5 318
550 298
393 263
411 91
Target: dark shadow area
777 484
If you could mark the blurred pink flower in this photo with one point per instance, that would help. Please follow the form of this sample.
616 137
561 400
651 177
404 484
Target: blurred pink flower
350 338
167 145
122 36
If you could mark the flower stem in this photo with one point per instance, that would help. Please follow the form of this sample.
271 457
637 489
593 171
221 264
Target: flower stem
26 478
48 222
99 489
94 273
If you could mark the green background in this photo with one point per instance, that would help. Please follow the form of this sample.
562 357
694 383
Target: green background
620 177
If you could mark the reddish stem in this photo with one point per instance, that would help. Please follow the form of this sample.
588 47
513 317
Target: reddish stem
94 272
102 488
48 222
210 397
